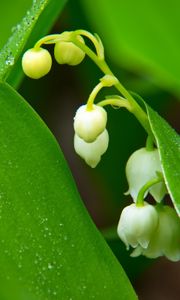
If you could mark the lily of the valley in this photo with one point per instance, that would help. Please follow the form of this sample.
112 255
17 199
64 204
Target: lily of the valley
92 152
137 225
166 238
142 167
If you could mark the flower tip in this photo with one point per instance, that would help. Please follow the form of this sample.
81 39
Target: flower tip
143 243
127 193
92 152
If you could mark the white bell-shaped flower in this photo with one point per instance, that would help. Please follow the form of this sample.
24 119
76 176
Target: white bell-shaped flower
137 224
141 168
36 63
91 152
166 239
89 124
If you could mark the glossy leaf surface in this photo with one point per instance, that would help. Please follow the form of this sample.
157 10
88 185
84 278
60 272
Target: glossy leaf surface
49 247
168 142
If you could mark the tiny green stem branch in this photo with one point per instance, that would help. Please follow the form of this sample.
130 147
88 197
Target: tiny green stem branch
49 39
99 47
115 102
93 95
143 190
149 144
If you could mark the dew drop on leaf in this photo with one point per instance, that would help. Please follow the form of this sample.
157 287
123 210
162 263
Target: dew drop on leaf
9 60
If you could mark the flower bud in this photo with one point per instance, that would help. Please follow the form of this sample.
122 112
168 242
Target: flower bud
141 168
36 62
68 53
88 124
166 239
91 152
137 225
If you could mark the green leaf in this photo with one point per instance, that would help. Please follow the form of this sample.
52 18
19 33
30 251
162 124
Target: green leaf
168 142
49 247
12 49
11 13
141 36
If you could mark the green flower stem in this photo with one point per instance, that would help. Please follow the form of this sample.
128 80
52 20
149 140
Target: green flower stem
98 46
93 95
115 102
101 63
49 39
149 144
140 197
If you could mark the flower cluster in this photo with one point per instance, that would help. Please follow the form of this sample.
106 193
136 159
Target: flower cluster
91 137
166 237
152 230
37 61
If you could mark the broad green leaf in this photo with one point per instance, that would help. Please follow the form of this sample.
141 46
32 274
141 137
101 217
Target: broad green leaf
49 247
12 49
168 142
140 35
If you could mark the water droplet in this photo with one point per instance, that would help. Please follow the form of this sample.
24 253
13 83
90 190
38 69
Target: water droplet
49 291
9 60
50 266
18 26
19 266
44 220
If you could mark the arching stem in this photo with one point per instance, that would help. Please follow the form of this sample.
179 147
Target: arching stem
145 188
115 102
